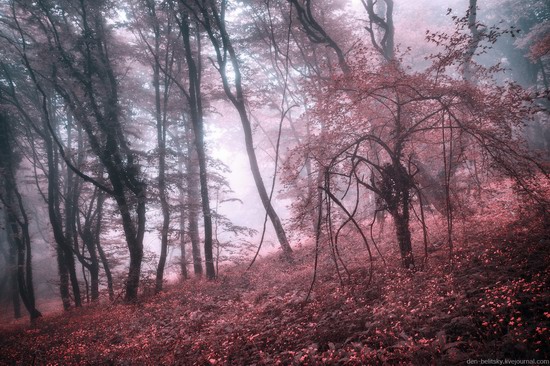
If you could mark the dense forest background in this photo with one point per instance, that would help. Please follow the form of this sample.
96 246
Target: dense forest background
155 149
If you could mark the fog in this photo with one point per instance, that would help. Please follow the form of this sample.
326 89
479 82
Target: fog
225 141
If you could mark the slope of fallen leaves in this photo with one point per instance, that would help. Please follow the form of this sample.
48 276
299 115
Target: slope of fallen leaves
493 304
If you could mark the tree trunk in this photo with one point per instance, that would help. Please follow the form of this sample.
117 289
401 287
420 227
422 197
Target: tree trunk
93 266
71 200
182 206
193 205
12 263
64 291
19 235
196 114
161 143
133 233
403 234
255 169
183 256
395 191
224 53
97 239
67 271
17 224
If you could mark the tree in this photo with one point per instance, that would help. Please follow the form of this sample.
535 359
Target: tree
211 16
16 219
161 50
63 238
82 71
194 98
35 113
380 128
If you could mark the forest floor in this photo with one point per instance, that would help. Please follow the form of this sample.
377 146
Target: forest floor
493 304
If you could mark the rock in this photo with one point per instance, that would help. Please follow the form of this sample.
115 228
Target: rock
448 346
455 356
460 326
441 338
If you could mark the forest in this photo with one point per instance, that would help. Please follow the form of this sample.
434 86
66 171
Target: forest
274 182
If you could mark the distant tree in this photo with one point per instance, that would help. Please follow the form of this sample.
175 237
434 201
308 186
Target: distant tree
527 56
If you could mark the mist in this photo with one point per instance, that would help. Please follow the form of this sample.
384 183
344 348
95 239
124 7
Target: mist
154 145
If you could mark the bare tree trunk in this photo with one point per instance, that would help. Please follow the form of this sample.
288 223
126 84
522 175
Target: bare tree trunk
93 265
67 270
403 234
12 263
194 68
395 191
70 200
64 291
107 269
183 256
474 42
97 239
161 143
182 198
193 205
17 222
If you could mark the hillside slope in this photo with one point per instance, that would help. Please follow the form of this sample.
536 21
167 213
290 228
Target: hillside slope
494 304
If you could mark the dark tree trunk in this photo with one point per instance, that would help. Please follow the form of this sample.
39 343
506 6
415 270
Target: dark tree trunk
85 230
134 236
12 263
193 205
63 272
160 117
395 191
18 229
403 235
182 207
26 293
107 269
196 114
97 239
17 222
255 169
67 270
93 266
161 129
71 195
